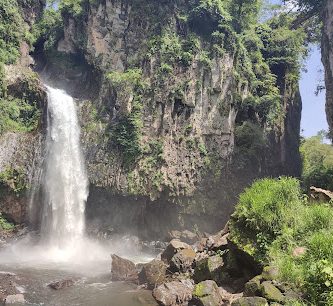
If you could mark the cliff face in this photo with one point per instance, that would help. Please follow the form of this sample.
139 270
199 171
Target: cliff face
159 133
23 103
327 59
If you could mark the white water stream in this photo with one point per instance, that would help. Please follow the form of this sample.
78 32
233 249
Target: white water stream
62 250
65 182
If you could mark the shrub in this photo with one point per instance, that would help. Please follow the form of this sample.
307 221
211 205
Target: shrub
262 211
271 219
317 163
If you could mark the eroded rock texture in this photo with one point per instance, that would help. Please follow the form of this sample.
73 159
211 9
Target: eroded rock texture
160 140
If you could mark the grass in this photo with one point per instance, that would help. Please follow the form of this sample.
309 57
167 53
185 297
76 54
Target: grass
272 219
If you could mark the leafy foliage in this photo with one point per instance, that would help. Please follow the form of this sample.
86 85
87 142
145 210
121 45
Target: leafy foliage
12 31
272 219
317 163
127 133
4 224
13 179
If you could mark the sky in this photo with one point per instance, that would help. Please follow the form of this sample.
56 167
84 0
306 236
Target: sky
313 113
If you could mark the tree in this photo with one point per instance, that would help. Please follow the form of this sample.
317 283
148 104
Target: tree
317 162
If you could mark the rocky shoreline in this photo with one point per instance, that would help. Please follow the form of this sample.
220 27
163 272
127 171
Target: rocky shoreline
210 272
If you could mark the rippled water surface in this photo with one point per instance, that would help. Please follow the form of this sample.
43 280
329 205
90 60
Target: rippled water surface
87 291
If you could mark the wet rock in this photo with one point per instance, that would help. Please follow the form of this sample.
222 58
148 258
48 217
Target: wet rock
182 260
210 268
173 247
65 283
15 299
153 273
250 301
123 269
271 293
174 293
207 293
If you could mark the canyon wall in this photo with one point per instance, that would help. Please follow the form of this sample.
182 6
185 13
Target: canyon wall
174 123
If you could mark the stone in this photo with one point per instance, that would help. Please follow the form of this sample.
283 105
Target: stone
123 269
153 273
188 237
207 293
174 234
182 260
210 268
174 293
253 286
271 293
65 283
320 195
173 247
269 273
201 245
250 301
299 251
14 299
218 242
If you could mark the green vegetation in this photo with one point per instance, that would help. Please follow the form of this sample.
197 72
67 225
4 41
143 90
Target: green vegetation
317 163
272 219
12 31
5 225
14 179
127 133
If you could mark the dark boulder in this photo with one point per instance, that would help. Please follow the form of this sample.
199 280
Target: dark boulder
65 283
210 268
207 293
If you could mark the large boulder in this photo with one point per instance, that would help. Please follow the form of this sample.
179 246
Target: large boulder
123 269
271 292
253 286
250 301
175 293
183 260
153 273
207 293
173 247
210 268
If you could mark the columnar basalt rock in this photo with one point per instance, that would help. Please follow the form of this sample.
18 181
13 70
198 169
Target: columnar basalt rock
164 132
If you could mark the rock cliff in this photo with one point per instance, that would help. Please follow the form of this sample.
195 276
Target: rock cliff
182 105
164 94
327 59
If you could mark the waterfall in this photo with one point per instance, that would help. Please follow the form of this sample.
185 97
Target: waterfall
65 183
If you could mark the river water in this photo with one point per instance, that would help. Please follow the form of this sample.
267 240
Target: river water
62 250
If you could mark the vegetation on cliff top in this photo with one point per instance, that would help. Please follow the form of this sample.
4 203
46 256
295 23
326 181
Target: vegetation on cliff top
17 113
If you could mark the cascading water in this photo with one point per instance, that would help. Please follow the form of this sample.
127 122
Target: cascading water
65 184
